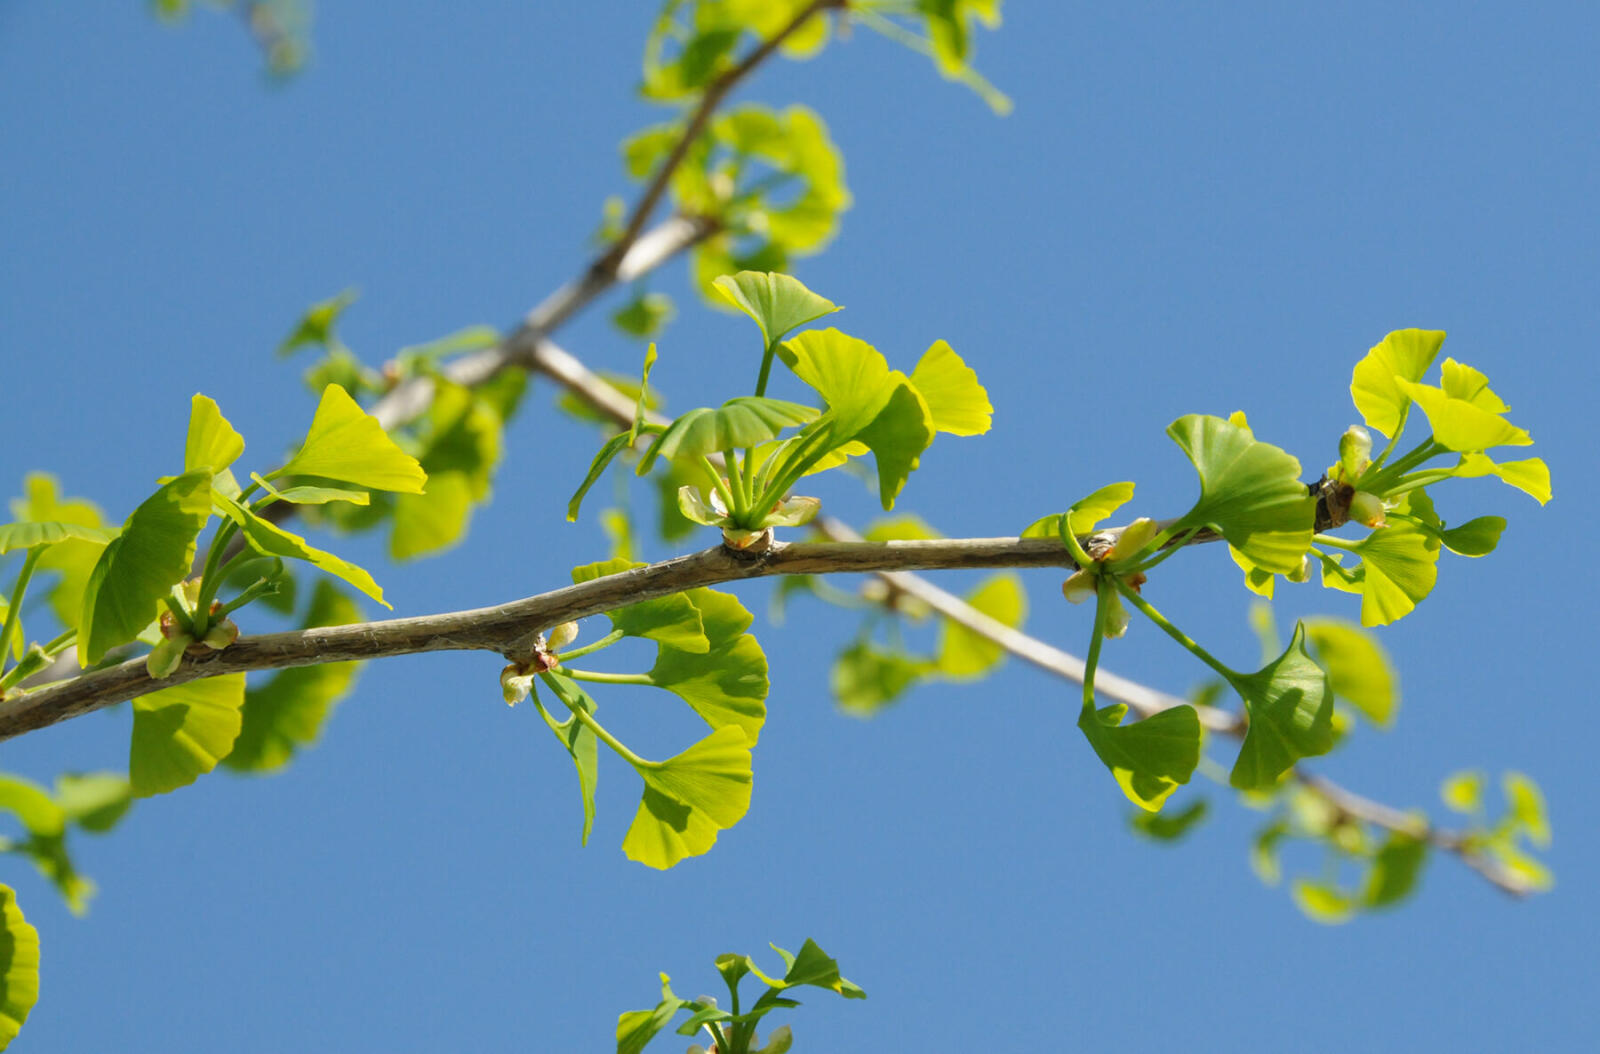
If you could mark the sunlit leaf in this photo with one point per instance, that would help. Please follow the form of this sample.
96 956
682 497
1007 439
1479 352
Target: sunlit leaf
316 327
866 678
636 1028
269 539
348 444
726 684
852 377
1322 902
432 522
579 740
778 303
180 733
19 967
1399 567
1476 537
1359 670
1250 492
897 436
672 620
608 450
28 535
1531 476
154 552
95 801
1086 513
1461 425
212 442
73 558
738 423
689 798
1461 381
908 527
958 403
965 654
1151 757
1291 716
1395 870
1527 807
32 805
1170 827
1256 580
1403 355
287 712
814 967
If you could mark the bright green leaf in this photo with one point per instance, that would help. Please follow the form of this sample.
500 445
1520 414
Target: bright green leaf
29 535
1359 670
1256 580
19 967
897 437
778 303
1165 827
469 338
673 620
1149 757
1462 425
727 684
212 442
1322 902
154 552
1291 716
579 740
610 449
1399 565
1531 476
851 375
958 404
636 1028
1463 791
432 522
269 539
180 733
32 805
814 967
1527 807
689 798
1086 513
287 712
965 654
740 422
95 801
1461 381
348 444
1250 492
908 528
1403 355
312 495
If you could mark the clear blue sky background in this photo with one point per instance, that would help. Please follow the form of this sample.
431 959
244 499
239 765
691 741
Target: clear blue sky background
1194 208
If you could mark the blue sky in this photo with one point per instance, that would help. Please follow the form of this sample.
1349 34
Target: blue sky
1193 208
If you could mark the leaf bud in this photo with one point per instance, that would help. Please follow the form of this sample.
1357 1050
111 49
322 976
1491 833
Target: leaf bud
1355 452
1367 509
561 636
1303 572
221 635
1116 617
515 684
1080 587
1133 538
165 656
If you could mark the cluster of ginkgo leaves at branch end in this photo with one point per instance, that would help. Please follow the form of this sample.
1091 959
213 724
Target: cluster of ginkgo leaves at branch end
1276 524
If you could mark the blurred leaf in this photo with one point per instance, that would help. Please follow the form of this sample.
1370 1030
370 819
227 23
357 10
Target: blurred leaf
645 316
286 712
73 558
32 805
346 443
19 967
866 678
1169 827
316 327
1323 903
907 527
95 801
1463 791
180 733
965 654
138 569
1358 668
27 535
1376 384
434 521
1527 807
1395 870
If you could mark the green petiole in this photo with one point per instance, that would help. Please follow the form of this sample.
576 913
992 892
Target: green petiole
605 678
588 720
14 602
589 649
1149 612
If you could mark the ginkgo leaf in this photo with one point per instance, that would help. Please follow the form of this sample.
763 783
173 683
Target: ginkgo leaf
1359 670
1085 513
738 423
1149 758
212 442
348 444
180 733
95 801
1250 492
689 798
850 375
27 535
1461 381
1403 355
312 495
866 678
1476 537
1461 425
1399 565
1531 476
578 739
777 302
287 712
19 967
726 684
673 620
1291 716
897 436
1395 870
268 539
956 401
138 569
965 654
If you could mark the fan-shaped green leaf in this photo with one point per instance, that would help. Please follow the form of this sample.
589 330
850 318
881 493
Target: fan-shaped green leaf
1150 757
1395 870
689 798
1250 492
727 683
866 678
777 302
1461 381
73 558
958 403
268 539
738 423
636 1028
140 566
212 442
1476 537
897 437
851 375
1403 355
28 535
1086 512
672 621
287 712
348 444
1359 670
1322 902
1291 716
964 654
1461 425
19 967
1531 476
95 801
180 733
1399 565
433 522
